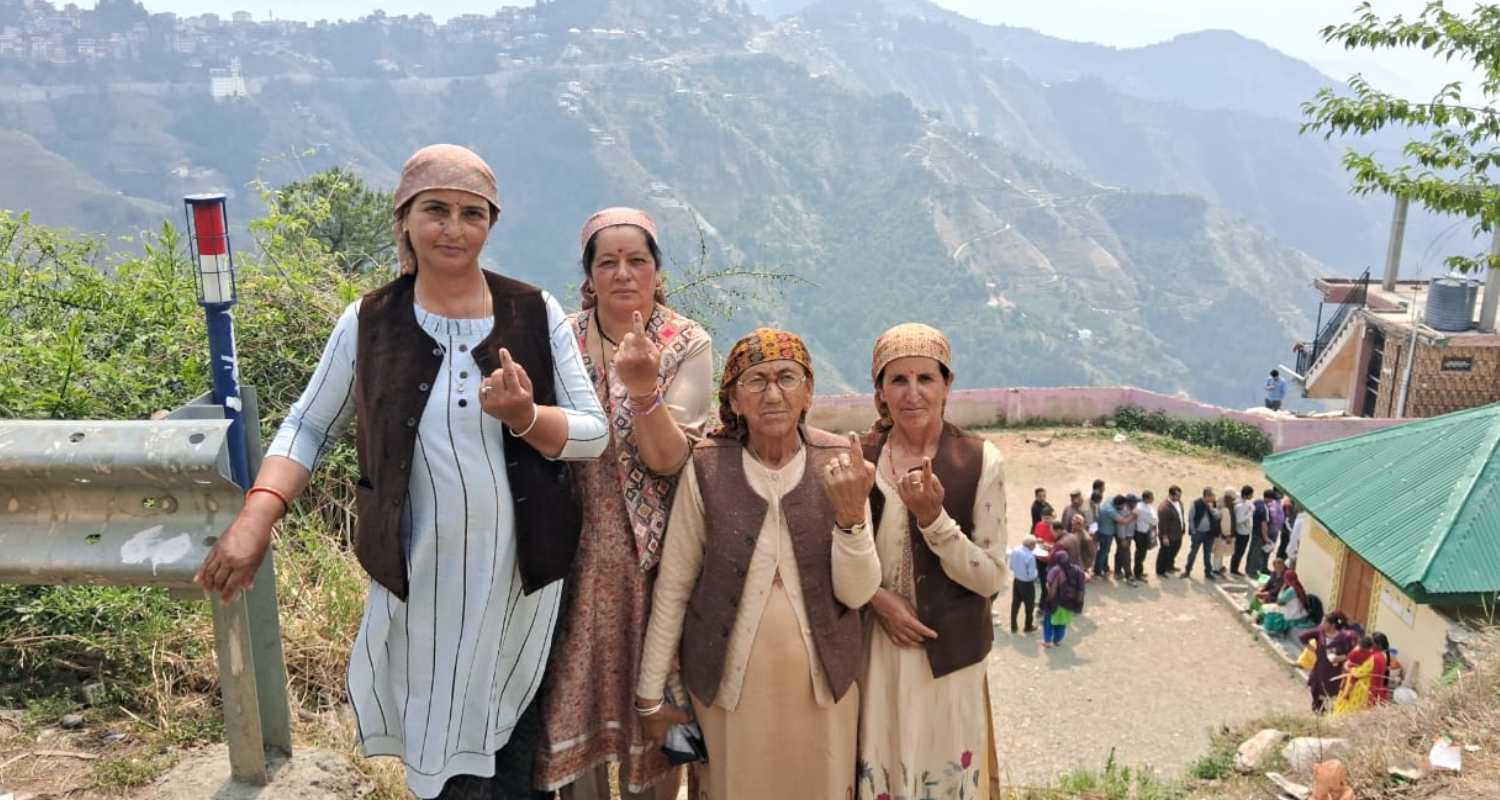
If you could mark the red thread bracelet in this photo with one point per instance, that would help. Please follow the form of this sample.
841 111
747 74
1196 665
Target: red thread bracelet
285 504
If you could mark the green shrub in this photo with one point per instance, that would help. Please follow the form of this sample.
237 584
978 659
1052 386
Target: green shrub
1116 782
1213 765
90 334
1220 433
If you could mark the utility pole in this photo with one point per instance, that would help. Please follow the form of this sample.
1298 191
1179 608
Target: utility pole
1491 289
1393 248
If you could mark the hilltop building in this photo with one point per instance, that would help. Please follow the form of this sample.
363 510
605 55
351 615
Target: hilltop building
227 84
1403 348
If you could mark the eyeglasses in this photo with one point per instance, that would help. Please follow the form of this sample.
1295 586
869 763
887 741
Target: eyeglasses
758 384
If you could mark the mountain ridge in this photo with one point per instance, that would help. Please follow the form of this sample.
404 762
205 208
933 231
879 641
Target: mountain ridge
1040 273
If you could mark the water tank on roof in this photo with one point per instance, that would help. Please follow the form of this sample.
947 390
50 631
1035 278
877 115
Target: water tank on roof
1450 304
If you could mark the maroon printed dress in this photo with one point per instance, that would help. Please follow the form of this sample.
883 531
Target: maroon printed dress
588 695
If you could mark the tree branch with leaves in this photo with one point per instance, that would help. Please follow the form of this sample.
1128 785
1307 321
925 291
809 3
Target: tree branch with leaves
1448 172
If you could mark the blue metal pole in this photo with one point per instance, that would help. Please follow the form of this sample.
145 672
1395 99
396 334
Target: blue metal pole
226 377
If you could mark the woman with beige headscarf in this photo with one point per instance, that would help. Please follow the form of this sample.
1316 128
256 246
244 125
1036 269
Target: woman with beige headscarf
652 370
467 516
939 512
767 558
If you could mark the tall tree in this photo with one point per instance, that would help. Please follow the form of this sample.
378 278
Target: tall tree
1449 170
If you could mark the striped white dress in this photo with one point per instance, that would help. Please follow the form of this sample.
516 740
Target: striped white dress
441 679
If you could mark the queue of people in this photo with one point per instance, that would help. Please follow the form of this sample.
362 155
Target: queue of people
571 566
1132 525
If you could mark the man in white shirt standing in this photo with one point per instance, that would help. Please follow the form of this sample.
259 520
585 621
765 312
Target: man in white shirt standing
1294 544
1244 518
1145 531
1023 570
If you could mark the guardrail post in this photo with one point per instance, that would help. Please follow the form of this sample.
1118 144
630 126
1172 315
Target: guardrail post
243 730
264 616
247 635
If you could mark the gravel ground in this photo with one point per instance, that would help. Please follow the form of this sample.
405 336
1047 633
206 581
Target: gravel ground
1148 672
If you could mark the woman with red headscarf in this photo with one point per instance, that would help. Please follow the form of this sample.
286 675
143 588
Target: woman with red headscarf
1290 609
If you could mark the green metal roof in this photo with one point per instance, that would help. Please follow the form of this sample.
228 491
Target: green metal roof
1420 501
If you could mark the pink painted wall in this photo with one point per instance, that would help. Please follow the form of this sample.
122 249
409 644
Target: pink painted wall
977 408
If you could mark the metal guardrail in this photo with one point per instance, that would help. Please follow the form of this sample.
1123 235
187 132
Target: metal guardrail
140 503
117 503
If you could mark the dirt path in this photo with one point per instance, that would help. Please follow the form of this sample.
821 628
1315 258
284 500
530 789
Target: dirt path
1148 672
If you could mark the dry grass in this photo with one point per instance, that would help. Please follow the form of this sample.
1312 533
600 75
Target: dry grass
1467 710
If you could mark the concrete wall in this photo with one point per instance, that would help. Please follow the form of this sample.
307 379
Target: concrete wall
1418 632
973 408
1320 560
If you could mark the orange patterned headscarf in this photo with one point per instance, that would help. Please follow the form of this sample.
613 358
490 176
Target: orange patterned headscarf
440 166
758 346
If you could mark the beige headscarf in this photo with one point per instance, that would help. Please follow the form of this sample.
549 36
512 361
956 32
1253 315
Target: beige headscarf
906 339
440 166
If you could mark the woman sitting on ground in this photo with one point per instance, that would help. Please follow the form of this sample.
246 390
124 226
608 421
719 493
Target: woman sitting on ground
939 512
1382 683
1290 609
1272 587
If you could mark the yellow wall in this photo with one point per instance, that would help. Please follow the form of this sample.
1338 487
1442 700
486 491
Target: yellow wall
1418 631
1319 563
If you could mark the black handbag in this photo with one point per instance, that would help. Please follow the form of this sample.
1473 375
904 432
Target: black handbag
684 742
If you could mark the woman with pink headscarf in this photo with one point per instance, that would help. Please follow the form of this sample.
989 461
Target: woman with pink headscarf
472 400
652 370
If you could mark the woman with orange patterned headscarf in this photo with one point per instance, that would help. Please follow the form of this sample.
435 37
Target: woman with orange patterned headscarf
767 559
939 513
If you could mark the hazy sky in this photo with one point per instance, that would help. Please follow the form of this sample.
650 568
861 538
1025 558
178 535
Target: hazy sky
1288 25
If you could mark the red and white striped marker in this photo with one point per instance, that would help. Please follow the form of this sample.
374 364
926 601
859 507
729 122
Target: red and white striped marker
211 238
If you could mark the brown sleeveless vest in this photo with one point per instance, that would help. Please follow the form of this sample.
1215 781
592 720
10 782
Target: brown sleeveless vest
960 617
733 514
395 364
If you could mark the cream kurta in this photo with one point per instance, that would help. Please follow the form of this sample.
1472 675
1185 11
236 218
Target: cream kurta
769 732
920 736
